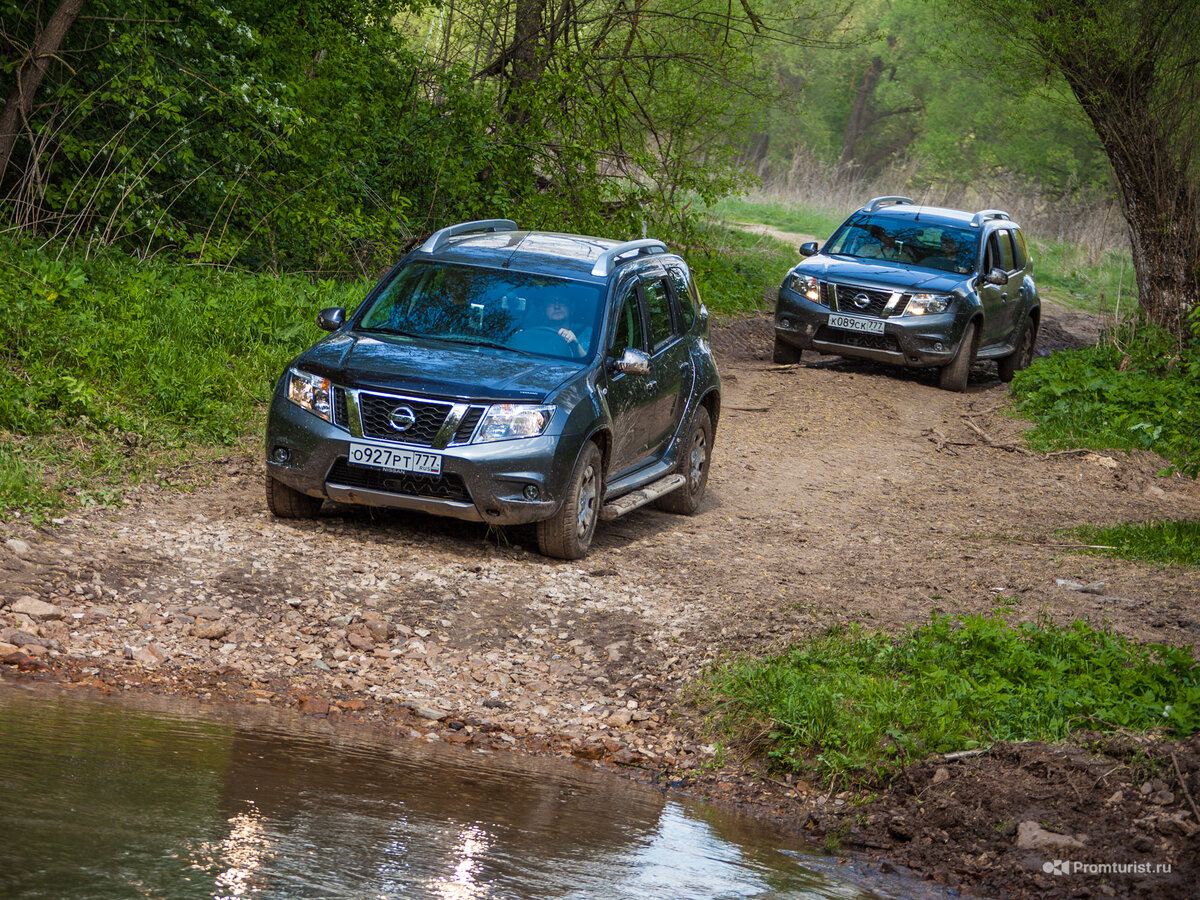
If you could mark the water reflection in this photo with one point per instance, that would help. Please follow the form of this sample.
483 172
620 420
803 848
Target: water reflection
104 800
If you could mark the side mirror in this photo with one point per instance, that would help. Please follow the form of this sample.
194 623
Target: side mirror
331 318
808 248
633 362
996 276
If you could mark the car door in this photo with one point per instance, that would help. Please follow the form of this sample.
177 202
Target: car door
630 396
1000 301
670 360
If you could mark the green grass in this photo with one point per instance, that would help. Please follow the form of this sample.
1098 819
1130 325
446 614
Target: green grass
737 271
861 705
1171 543
1100 283
1138 390
790 217
112 369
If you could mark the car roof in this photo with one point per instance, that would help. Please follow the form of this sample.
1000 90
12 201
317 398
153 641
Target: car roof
575 256
935 215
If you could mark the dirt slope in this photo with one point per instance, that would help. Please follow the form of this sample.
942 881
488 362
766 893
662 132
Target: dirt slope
840 492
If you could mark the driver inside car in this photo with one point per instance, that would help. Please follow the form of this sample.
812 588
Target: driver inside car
554 312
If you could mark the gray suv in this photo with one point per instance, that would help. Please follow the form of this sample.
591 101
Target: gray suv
914 286
507 377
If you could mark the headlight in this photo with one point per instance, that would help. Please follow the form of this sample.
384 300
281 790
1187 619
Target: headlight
514 420
311 392
806 285
922 304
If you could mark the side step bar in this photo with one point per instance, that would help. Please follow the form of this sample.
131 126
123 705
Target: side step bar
631 501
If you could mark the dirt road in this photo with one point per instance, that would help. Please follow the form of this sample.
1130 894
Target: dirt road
840 492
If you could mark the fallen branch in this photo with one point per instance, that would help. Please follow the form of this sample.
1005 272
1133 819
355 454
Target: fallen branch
1183 787
964 754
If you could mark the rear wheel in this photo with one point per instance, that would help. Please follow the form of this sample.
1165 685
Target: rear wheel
785 353
287 503
568 533
1021 357
693 466
954 375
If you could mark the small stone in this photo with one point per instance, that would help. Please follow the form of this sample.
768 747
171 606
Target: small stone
150 655
1032 836
942 774
1162 798
210 631
428 712
17 546
37 609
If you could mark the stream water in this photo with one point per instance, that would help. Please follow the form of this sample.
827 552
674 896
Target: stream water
127 798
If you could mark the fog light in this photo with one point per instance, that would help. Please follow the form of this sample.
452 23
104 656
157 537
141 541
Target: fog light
531 492
938 347
281 455
785 323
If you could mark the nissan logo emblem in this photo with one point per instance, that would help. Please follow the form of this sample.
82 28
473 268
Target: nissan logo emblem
402 418
862 301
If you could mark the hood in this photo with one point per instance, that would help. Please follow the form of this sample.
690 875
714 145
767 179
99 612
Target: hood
437 369
879 272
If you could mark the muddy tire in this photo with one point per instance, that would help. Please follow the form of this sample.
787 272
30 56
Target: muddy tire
954 374
1010 365
568 533
693 465
785 353
287 503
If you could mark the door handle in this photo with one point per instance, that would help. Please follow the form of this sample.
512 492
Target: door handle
651 387
683 367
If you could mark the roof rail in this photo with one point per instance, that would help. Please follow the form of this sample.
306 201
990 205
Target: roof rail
984 214
440 238
887 201
610 259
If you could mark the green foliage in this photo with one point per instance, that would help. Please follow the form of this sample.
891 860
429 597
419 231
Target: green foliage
866 704
1172 543
1138 390
128 355
737 271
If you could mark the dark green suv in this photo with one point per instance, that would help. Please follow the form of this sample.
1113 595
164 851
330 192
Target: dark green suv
914 286
506 376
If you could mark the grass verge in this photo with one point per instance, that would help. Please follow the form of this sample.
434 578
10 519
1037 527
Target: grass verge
113 369
861 706
1170 543
1137 390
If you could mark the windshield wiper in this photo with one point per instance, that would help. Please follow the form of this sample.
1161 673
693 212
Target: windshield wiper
385 329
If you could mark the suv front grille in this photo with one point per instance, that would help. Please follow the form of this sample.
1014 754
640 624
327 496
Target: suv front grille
845 300
447 486
376 408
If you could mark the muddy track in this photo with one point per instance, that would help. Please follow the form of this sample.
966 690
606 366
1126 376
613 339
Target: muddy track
840 492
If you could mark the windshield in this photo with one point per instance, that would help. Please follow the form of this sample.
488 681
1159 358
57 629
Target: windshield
943 247
488 307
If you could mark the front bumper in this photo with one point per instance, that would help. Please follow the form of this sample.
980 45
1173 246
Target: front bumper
479 482
918 341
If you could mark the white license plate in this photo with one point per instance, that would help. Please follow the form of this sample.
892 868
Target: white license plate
396 459
856 323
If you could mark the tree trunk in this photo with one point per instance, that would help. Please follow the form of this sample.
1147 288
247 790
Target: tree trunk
1157 196
29 76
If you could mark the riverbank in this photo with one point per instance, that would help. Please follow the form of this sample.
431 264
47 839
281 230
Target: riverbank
840 492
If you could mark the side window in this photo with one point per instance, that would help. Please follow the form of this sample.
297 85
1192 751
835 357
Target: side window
1022 249
686 301
628 330
658 305
1004 242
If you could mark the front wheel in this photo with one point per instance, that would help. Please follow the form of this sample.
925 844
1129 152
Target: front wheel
287 503
785 353
1021 357
568 533
693 466
954 375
